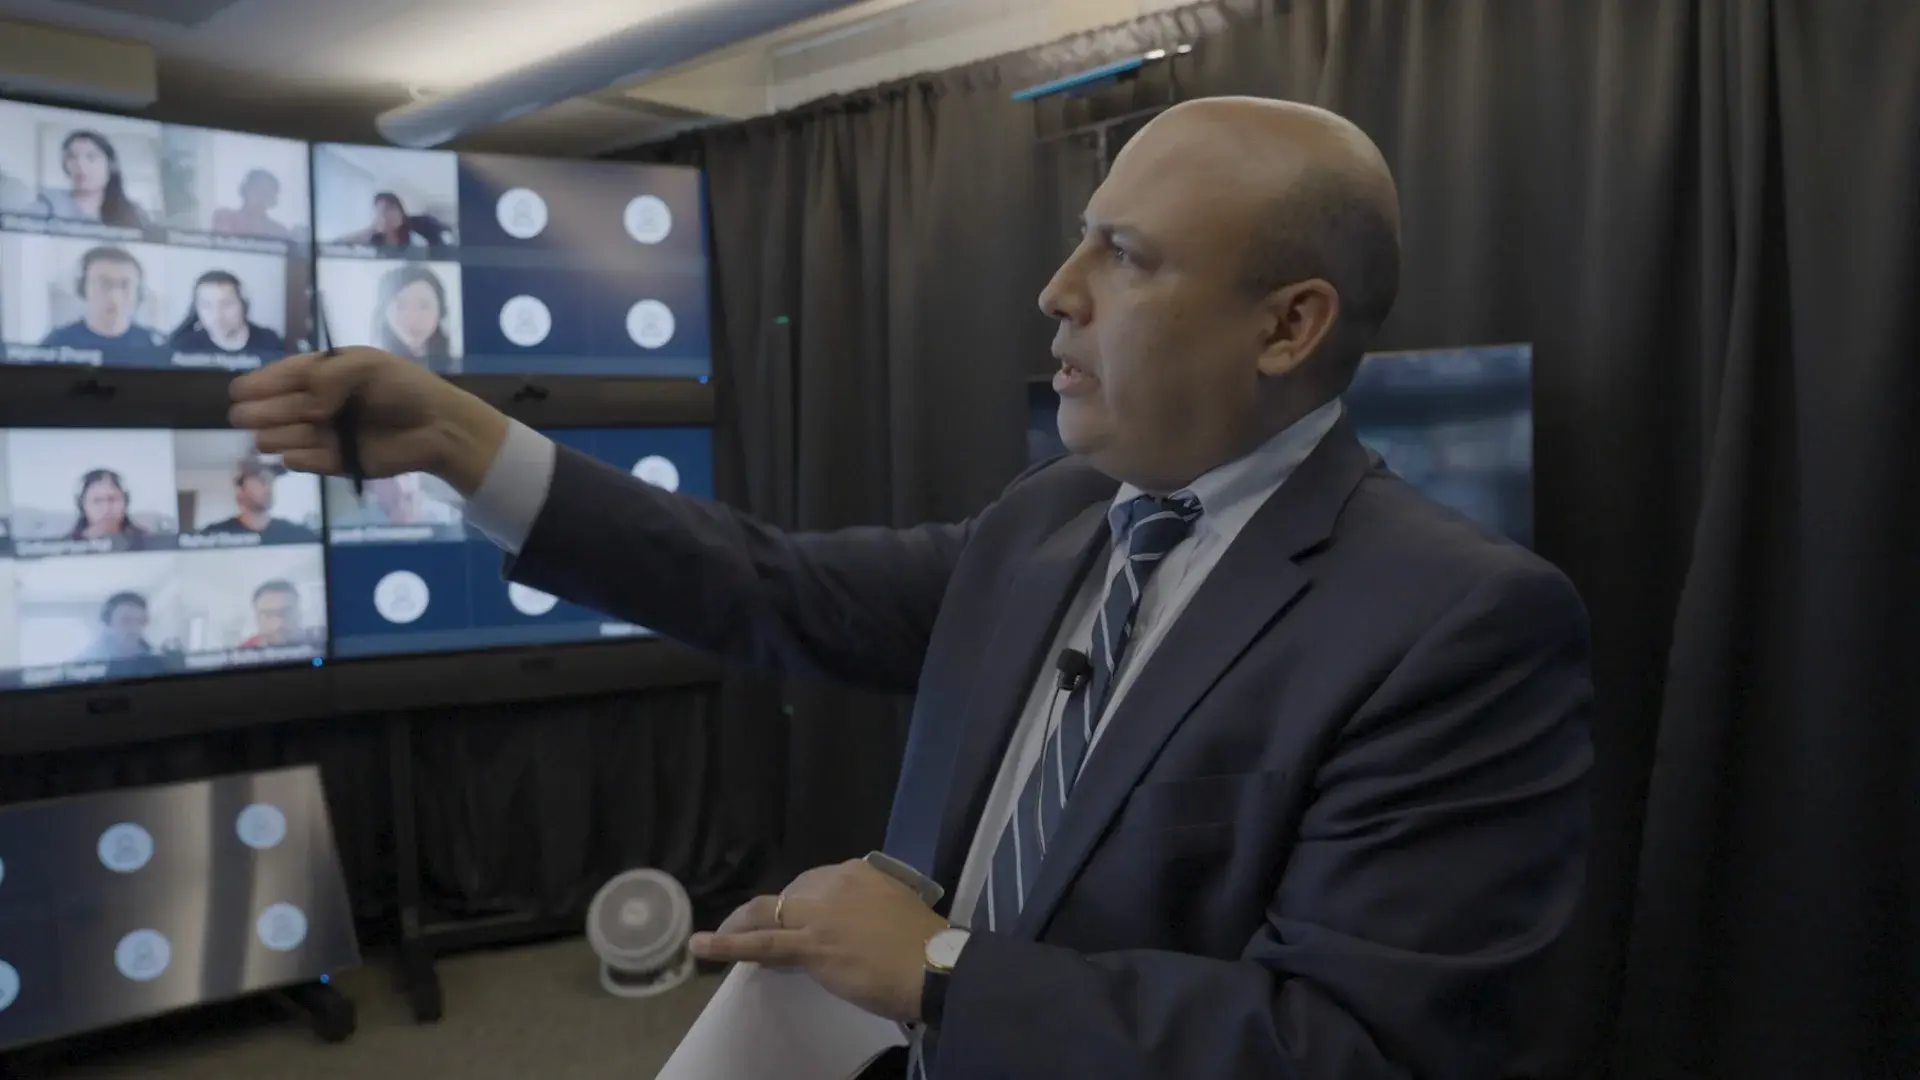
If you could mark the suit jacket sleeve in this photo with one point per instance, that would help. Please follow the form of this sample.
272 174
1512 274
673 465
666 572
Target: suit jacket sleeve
855 605
1443 855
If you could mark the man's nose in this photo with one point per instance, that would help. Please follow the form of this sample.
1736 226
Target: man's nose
1065 298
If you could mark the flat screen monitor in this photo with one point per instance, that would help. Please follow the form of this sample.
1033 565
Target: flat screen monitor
408 576
136 902
1455 423
488 264
130 243
1458 425
140 554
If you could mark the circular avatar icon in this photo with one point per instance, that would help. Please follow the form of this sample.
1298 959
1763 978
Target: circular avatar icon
400 597
9 985
650 324
143 955
125 847
525 321
530 601
261 826
522 213
648 219
282 927
658 471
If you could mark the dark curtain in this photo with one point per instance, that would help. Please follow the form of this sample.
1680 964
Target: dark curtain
872 348
1703 215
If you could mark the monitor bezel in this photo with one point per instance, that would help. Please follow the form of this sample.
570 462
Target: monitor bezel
72 717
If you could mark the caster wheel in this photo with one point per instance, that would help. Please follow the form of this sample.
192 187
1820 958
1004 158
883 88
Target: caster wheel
335 1022
423 993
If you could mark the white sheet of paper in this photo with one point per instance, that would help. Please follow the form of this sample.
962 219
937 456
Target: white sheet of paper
776 1025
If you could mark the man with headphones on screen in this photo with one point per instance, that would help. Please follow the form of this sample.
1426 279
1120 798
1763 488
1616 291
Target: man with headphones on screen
221 322
112 283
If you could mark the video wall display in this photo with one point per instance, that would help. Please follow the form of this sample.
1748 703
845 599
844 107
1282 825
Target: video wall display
1458 425
407 576
126 243
143 553
134 903
490 264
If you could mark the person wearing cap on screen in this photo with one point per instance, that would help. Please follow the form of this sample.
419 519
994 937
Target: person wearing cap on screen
253 495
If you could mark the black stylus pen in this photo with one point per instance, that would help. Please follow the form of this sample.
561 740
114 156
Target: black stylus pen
346 421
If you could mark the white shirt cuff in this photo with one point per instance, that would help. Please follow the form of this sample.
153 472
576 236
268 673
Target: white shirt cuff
514 490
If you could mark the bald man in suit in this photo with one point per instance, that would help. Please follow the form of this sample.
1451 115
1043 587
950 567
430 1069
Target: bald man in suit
1236 756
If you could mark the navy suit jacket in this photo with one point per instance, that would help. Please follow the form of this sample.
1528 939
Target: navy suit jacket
1330 831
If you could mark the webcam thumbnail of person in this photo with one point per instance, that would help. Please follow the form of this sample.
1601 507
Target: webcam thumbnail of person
139 553
411 309
66 166
381 202
235 185
409 508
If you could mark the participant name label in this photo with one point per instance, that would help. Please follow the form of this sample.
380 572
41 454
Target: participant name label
42 354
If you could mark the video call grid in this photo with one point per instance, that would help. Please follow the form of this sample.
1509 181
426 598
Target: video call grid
143 553
474 264
131 243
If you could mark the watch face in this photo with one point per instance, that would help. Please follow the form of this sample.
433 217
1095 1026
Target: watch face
943 951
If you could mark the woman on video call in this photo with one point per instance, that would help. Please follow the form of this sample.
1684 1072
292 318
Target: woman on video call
395 232
97 191
103 512
410 318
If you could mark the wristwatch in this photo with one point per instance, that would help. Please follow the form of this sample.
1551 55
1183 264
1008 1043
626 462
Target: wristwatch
943 953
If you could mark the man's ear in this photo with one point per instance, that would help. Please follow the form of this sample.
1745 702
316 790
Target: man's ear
1303 316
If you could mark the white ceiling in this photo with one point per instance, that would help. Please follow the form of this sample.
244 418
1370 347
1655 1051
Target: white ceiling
322 69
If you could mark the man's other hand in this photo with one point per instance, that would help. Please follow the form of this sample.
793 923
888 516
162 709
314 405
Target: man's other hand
860 934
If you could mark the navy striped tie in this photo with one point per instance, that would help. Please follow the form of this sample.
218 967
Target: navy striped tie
1154 527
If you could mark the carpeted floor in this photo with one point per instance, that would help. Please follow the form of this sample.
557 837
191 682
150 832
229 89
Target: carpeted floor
534 1012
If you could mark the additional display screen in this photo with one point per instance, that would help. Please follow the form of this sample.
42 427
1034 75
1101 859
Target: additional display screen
486 264
134 554
128 243
1458 425
408 576
133 903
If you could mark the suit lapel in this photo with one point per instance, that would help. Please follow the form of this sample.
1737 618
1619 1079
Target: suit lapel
1252 585
1009 667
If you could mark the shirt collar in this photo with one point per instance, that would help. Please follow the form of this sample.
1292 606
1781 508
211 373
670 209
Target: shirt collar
1229 494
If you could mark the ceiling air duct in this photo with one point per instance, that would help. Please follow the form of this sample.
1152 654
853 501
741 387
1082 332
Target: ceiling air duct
653 45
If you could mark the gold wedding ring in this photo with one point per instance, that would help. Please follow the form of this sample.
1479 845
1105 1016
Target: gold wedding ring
779 907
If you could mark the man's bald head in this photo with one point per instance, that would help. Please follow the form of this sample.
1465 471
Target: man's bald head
1238 258
1320 200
